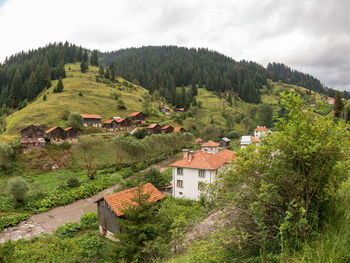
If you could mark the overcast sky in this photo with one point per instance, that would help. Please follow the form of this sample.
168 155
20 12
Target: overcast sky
311 36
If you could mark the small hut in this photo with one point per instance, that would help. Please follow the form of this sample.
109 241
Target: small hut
179 129
111 207
91 120
167 129
138 117
224 142
56 135
110 125
154 129
124 124
71 134
32 137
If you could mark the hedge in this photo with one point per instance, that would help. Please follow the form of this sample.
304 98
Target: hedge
11 220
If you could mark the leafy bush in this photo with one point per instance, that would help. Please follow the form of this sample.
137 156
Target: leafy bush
18 188
156 178
11 220
89 220
6 204
92 246
73 182
65 115
67 230
232 134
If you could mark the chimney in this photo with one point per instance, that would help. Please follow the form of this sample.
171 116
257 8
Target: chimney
190 155
185 153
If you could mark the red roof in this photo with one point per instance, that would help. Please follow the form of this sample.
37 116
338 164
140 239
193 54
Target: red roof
121 120
178 129
254 139
201 160
30 140
166 127
50 130
198 140
120 201
210 144
227 155
261 128
180 109
135 114
108 121
90 116
67 129
151 126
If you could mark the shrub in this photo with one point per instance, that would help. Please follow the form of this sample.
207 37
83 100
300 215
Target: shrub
44 97
65 115
75 120
89 220
92 246
18 188
73 182
6 204
156 178
80 94
11 220
121 104
67 230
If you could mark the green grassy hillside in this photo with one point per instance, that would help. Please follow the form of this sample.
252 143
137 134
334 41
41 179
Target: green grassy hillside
96 99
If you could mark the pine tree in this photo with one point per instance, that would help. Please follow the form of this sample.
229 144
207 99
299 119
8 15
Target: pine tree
46 73
112 71
338 105
94 58
32 86
17 93
137 228
59 87
101 71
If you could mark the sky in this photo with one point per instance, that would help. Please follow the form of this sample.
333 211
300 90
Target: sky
312 36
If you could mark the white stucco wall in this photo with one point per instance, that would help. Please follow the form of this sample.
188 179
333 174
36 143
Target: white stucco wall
190 180
211 150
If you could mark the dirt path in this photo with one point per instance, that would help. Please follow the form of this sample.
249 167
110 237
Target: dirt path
49 221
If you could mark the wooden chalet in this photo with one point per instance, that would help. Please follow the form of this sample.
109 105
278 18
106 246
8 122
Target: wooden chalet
179 129
167 129
32 137
71 134
179 110
111 207
138 117
154 128
224 142
124 124
110 125
91 120
56 135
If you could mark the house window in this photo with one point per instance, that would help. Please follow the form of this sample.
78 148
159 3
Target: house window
181 193
180 183
201 173
180 171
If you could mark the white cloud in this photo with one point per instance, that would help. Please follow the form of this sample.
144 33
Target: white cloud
313 36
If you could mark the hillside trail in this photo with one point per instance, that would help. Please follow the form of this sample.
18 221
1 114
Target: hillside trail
49 221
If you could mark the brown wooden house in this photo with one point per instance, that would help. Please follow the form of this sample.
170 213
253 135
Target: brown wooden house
179 110
32 137
110 125
179 129
111 207
167 129
124 124
56 135
154 129
71 134
224 142
91 120
138 117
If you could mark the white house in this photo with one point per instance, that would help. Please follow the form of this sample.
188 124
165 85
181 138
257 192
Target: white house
196 168
210 147
261 131
246 140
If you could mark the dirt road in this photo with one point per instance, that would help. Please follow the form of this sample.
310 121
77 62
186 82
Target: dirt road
49 221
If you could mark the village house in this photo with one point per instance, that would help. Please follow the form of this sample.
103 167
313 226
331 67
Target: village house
330 100
224 142
56 135
91 120
32 137
138 117
210 147
167 129
110 125
71 134
179 129
124 124
261 131
165 110
246 140
199 141
154 129
179 110
111 207
195 169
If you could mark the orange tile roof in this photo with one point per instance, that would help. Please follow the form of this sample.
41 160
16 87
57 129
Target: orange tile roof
227 155
108 121
261 128
178 128
166 127
151 126
134 114
201 160
120 201
210 144
121 120
254 139
51 129
67 129
180 109
90 116
198 140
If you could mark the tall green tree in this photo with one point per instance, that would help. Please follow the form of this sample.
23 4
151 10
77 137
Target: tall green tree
59 87
17 92
264 115
94 58
338 105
